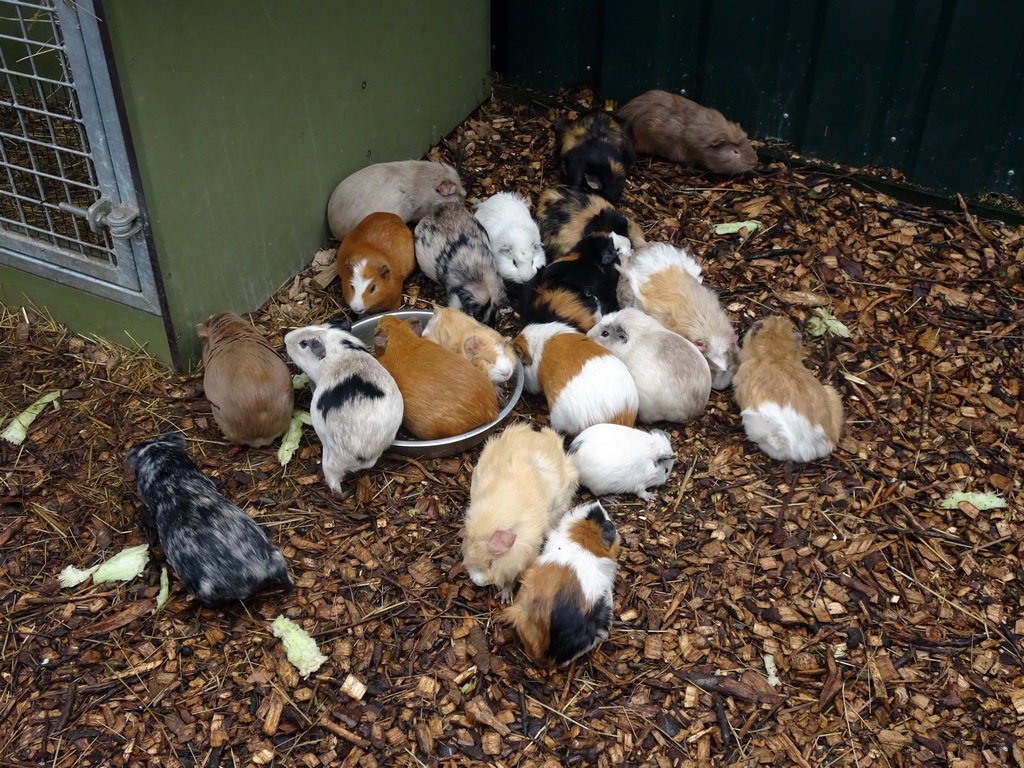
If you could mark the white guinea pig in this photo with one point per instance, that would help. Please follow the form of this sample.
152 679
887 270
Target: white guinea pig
515 239
484 347
616 459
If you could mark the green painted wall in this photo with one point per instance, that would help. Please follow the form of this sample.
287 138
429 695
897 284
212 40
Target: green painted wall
245 117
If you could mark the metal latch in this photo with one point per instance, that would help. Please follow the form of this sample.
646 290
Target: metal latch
122 220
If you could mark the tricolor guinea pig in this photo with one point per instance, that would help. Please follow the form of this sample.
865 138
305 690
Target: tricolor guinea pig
596 153
445 394
220 554
785 410
583 383
683 131
374 260
666 283
564 606
671 375
356 408
565 215
616 459
484 347
515 239
522 485
452 248
245 380
406 188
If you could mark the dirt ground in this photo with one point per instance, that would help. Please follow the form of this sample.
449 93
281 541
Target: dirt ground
837 615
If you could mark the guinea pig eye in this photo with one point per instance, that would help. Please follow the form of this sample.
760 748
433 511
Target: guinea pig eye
604 334
373 289
304 343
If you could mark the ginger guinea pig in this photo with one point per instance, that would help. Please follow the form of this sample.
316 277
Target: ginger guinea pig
484 347
445 394
245 380
664 124
785 410
374 260
406 188
596 153
583 383
522 485
616 459
564 606
515 239
565 215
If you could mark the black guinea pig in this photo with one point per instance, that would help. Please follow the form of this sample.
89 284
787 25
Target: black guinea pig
220 554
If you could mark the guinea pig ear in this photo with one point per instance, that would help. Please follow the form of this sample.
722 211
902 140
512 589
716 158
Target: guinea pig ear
472 345
416 324
315 347
702 346
521 348
202 330
445 188
608 533
340 322
501 542
380 339
385 270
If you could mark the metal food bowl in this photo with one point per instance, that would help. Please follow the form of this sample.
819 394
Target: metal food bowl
431 449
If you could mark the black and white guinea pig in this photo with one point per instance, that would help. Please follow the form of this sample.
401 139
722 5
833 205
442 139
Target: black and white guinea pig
453 249
612 458
356 409
220 554
564 607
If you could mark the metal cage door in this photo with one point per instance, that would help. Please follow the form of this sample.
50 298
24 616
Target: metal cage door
69 210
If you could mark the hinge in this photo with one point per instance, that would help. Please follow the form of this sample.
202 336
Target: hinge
122 220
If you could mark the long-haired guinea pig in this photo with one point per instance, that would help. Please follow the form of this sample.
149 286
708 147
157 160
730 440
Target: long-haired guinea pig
245 380
522 485
666 283
584 384
566 215
406 188
683 131
452 248
445 394
220 554
564 606
616 459
671 375
484 347
785 410
577 288
515 239
596 153
356 408
374 260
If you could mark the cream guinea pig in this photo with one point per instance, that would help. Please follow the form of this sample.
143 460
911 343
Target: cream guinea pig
374 260
487 349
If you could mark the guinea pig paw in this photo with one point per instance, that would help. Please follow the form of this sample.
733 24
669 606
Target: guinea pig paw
505 597
646 495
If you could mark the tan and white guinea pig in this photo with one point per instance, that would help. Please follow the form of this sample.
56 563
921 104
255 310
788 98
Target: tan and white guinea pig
522 484
483 346
583 383
785 410
666 283
246 381
564 606
444 394
374 260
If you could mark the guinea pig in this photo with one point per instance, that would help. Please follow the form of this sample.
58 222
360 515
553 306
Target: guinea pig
671 375
616 459
565 215
564 606
245 380
683 131
484 347
220 554
577 288
406 188
584 384
596 153
522 485
356 408
515 239
445 394
666 283
452 248
373 261
785 410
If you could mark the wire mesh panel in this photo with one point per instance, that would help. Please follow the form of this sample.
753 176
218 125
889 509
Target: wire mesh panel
68 207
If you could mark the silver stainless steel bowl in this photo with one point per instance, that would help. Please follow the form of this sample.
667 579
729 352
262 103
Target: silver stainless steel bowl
430 449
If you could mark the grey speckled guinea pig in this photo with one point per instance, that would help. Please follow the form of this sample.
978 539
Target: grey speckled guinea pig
356 409
453 249
220 554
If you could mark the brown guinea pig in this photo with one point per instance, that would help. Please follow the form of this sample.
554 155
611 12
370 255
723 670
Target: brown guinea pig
374 260
664 124
245 380
445 394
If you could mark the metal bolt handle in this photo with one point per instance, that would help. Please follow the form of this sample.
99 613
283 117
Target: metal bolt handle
122 220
